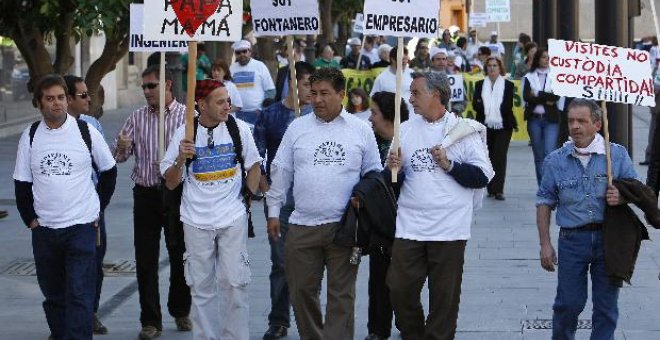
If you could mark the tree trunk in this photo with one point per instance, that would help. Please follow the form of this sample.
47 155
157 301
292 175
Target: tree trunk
63 55
114 49
325 9
30 42
266 51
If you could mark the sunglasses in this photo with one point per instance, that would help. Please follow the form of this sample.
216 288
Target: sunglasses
83 95
240 52
209 141
149 86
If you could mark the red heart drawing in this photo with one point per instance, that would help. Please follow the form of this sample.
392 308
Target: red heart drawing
193 13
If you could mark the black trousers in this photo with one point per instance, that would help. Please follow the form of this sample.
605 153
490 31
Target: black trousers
149 218
498 147
380 307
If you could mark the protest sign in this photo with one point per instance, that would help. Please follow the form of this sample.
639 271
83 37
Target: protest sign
285 17
358 24
219 20
139 44
457 89
479 19
600 72
402 18
498 10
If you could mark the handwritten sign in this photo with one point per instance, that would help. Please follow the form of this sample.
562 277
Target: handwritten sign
358 25
161 23
139 44
479 19
285 17
600 72
401 18
498 10
457 88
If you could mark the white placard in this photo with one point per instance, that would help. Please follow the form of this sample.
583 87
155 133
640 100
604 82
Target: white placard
139 44
161 23
402 18
479 19
600 72
498 10
358 25
457 88
285 17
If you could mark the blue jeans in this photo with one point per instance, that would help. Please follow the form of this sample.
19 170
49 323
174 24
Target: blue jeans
579 252
66 271
100 254
543 135
280 305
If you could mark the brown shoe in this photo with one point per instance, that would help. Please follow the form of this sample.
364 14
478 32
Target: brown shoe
183 324
149 332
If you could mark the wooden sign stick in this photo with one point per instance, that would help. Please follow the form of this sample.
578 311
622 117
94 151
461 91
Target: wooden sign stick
292 73
190 95
397 103
606 132
357 66
161 107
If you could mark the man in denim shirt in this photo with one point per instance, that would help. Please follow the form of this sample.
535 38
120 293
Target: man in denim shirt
268 132
575 183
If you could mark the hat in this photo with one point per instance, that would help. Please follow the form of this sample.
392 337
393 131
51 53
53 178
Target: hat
453 29
436 50
354 41
205 87
492 33
241 45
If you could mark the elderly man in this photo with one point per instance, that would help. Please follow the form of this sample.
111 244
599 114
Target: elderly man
444 178
383 55
351 59
575 183
323 155
327 58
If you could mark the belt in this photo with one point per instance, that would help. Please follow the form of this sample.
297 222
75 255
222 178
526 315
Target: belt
588 227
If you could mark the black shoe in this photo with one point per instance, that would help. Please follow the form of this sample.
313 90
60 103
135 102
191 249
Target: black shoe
99 328
275 332
373 336
499 197
3 213
644 163
491 195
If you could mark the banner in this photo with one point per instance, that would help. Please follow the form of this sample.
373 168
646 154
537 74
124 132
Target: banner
285 17
600 72
139 44
457 88
498 10
224 23
479 19
358 23
402 18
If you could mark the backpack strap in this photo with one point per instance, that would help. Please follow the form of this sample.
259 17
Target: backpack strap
87 138
33 131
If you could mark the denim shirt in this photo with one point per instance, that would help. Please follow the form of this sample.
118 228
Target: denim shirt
576 191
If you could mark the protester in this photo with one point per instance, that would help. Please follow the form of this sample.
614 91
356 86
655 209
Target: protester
78 100
653 173
370 49
496 47
519 51
438 60
138 136
431 242
327 58
493 102
461 52
253 80
541 110
478 65
384 55
217 264
220 71
453 63
380 311
524 65
386 80
358 104
202 70
268 133
60 205
473 45
351 59
323 156
446 42
575 184
422 60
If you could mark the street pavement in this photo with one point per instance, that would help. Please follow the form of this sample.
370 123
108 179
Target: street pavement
506 294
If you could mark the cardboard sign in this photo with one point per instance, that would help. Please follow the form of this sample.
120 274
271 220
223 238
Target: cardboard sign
402 18
479 19
600 72
358 25
139 44
457 88
285 17
224 24
498 10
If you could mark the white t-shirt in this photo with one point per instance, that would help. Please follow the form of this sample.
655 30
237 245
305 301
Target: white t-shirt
432 205
364 115
386 81
234 95
496 49
324 161
252 81
373 55
59 166
212 190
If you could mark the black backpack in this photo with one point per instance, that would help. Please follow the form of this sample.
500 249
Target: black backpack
172 198
84 131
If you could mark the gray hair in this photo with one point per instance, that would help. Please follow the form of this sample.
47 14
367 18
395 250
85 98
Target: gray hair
596 111
436 81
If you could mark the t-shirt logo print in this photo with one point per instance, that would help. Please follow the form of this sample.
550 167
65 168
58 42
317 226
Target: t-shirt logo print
56 164
422 160
330 153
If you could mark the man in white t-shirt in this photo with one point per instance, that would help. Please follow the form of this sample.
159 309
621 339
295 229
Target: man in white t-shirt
253 81
323 156
386 80
496 47
445 163
213 213
59 203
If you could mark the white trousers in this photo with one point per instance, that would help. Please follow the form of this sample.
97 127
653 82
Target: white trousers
217 269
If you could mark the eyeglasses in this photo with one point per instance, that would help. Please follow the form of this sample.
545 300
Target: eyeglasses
240 52
149 86
493 65
209 141
83 95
